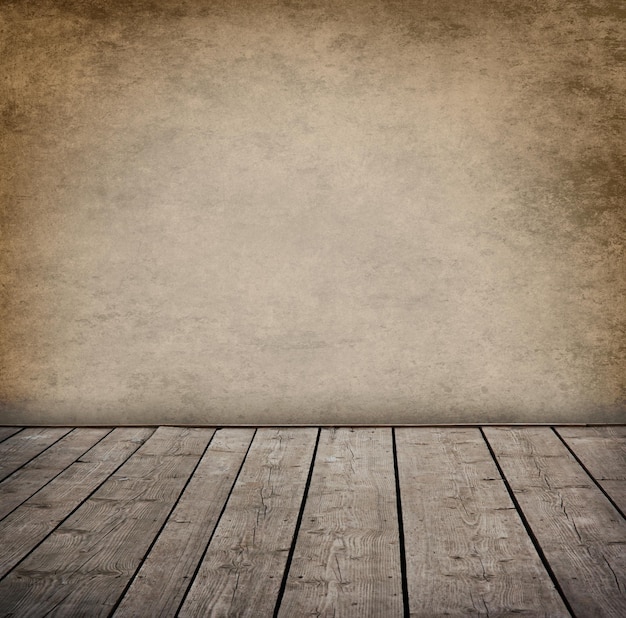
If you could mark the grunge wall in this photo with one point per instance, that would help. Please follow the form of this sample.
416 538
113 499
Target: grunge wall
348 211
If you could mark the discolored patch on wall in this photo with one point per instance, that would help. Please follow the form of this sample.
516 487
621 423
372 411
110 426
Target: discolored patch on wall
312 212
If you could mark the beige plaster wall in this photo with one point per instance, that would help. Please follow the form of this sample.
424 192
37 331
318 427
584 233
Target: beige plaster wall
349 211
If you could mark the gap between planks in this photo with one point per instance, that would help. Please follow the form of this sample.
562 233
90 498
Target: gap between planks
313 543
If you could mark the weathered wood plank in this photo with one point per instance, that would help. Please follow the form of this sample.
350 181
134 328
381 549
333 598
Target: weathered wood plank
467 551
347 557
7 432
81 569
31 477
30 523
22 447
603 452
581 534
241 572
164 577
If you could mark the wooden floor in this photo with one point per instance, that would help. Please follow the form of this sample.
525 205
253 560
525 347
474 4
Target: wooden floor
289 522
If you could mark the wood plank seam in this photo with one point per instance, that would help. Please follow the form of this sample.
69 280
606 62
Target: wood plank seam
581 533
467 550
346 561
52 478
528 528
498 454
158 585
247 554
156 536
24 463
103 542
71 513
292 547
9 434
402 546
206 548
587 471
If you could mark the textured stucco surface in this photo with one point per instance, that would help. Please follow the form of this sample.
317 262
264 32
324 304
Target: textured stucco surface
341 211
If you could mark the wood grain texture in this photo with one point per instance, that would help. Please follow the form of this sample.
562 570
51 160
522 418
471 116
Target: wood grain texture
582 535
167 572
25 527
31 477
7 432
467 550
135 528
22 447
346 560
603 452
241 572
82 567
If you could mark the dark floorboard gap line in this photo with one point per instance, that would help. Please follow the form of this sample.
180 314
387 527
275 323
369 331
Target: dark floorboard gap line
403 569
158 534
55 476
12 435
584 467
292 548
91 493
217 523
529 530
8 476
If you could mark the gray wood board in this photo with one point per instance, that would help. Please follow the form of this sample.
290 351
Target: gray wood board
347 556
581 534
23 446
467 550
30 523
7 432
602 451
241 572
168 570
31 477
83 566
